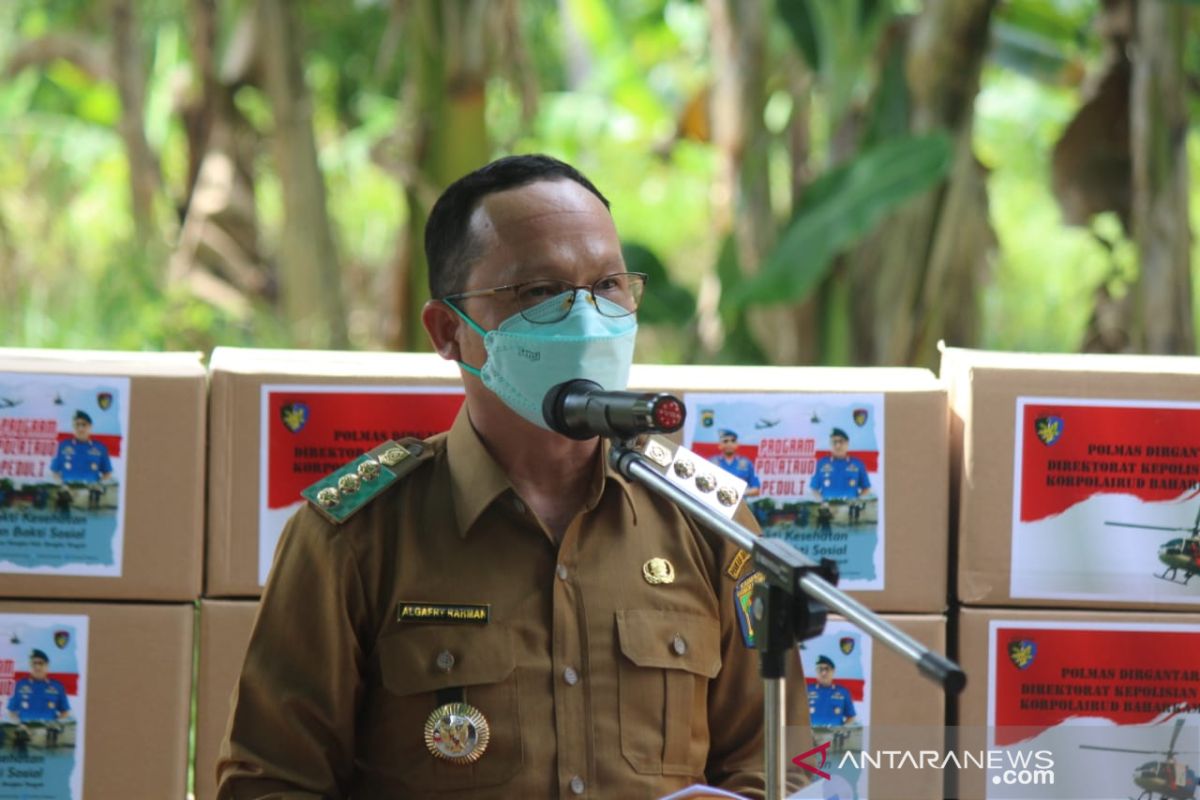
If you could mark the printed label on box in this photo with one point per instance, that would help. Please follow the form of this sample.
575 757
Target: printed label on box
1086 698
311 431
837 669
43 678
1106 500
63 456
814 468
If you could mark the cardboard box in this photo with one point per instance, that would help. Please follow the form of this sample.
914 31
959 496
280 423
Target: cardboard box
318 410
120 515
225 627
905 699
126 671
1076 479
1056 680
895 708
892 549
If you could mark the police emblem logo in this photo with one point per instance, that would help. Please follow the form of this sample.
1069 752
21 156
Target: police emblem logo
846 643
457 732
1022 652
1049 429
294 416
707 417
860 417
61 638
104 400
658 571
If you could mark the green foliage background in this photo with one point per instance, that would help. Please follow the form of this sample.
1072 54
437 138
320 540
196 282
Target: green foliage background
73 274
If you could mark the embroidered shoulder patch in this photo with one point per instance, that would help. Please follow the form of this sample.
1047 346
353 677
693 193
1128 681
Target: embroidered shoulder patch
743 604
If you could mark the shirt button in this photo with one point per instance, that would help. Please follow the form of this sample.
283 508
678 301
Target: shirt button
445 661
570 676
577 785
679 645
561 572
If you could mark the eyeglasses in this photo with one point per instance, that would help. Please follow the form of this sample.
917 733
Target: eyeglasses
622 291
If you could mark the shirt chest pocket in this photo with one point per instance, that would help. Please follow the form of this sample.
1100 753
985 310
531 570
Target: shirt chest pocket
667 659
425 666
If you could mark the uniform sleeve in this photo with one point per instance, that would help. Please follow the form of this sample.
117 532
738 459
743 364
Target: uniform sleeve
64 704
291 731
849 710
105 462
752 480
56 463
12 701
865 481
735 696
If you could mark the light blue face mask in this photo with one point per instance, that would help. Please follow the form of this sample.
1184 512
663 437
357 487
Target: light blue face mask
526 359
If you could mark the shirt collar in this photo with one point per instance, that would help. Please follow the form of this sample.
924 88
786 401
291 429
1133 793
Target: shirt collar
476 480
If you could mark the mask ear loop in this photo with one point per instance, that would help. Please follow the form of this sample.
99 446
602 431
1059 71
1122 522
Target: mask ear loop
474 326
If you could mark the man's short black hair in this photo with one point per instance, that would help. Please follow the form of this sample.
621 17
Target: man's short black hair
83 415
449 247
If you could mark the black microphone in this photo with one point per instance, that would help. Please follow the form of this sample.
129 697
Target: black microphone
582 409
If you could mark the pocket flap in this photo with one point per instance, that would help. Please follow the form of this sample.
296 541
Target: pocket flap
414 661
670 640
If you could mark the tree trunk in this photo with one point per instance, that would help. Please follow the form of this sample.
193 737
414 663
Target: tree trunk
131 87
1163 295
448 44
806 316
917 280
309 275
218 257
742 196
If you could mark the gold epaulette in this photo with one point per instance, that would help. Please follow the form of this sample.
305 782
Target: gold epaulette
339 495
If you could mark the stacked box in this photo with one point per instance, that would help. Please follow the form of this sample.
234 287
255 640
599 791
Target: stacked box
890 545
1077 478
874 700
110 719
225 627
101 474
1090 698
281 420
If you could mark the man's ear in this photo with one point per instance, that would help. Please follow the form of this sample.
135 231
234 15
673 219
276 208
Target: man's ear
441 323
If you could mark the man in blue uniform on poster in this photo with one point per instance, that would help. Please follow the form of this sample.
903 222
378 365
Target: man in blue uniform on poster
829 704
734 464
81 460
840 476
38 698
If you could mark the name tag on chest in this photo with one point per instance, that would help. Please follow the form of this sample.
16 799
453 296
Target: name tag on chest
456 613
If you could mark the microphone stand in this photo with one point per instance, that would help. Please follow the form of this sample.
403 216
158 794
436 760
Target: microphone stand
790 605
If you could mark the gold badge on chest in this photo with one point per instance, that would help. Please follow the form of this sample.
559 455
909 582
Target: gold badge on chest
457 732
658 571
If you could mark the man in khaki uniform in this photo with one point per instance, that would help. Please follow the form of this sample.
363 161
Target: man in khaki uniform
509 617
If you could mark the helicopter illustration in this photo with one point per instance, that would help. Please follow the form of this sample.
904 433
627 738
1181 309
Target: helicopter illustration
1177 555
1169 779
8 402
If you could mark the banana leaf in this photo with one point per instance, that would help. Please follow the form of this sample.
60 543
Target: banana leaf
838 210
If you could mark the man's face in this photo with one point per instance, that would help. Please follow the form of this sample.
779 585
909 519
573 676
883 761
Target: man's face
38 668
824 674
728 445
548 229
839 445
83 430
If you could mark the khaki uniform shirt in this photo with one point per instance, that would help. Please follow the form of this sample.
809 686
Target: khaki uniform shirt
594 682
